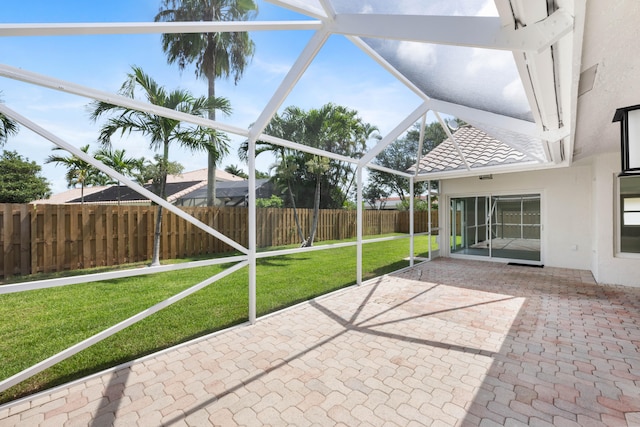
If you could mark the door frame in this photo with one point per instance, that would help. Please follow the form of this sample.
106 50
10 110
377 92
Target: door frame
445 225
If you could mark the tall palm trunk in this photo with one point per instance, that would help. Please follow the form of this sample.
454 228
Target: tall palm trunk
295 214
316 212
155 260
212 159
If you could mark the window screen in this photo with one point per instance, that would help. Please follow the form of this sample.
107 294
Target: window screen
630 214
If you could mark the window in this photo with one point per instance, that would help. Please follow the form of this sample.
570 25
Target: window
630 214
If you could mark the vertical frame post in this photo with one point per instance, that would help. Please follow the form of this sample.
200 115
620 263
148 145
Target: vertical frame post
252 229
359 218
411 217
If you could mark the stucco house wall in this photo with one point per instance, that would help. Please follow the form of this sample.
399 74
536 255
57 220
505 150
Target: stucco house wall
609 266
566 239
579 206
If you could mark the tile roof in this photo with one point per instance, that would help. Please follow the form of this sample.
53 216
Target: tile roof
65 196
127 195
233 189
177 186
479 150
201 175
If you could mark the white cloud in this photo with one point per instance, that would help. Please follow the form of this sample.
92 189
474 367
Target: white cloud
275 69
419 55
366 8
513 93
483 60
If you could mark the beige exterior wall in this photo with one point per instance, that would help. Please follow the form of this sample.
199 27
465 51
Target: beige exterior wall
579 215
608 265
565 208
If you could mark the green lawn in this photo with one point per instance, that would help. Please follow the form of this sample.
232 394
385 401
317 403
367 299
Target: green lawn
37 324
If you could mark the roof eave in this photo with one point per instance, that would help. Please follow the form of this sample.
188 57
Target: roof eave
488 170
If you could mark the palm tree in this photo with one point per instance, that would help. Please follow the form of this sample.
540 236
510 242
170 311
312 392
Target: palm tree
236 170
214 54
78 171
161 131
332 128
117 161
7 127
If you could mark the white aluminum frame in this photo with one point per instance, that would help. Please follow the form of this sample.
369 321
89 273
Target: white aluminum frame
479 32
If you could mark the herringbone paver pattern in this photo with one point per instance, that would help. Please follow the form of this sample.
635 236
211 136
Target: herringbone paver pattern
446 343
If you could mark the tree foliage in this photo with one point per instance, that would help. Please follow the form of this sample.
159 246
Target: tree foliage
78 172
21 180
154 171
236 170
214 55
308 180
8 127
118 161
272 202
401 155
161 131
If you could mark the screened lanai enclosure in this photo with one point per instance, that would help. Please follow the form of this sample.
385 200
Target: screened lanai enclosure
508 68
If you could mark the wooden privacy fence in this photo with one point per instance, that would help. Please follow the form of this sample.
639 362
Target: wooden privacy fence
50 238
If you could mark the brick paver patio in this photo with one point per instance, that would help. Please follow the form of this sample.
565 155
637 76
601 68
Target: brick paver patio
445 343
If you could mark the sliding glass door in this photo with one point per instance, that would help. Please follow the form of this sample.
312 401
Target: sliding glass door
496 226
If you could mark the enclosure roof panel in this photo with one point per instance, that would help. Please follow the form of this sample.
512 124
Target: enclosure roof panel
483 79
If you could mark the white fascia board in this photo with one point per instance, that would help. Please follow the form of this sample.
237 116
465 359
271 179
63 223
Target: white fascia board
69 29
295 73
472 31
515 168
395 133
300 7
118 176
123 101
579 10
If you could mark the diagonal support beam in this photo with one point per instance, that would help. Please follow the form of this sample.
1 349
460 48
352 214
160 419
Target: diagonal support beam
479 31
306 149
473 114
112 173
65 354
453 141
395 133
123 101
389 170
295 73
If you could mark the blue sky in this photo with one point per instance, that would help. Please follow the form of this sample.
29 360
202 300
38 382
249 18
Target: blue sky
341 74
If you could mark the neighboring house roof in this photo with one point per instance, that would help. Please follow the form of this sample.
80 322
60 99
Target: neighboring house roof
177 186
127 195
201 175
233 190
65 196
479 150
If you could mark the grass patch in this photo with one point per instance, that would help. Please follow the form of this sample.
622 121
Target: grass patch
37 324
